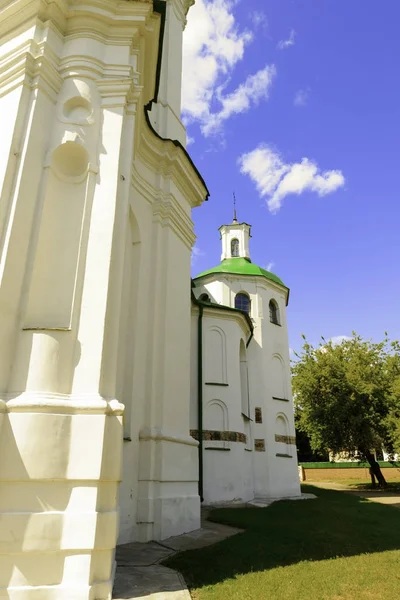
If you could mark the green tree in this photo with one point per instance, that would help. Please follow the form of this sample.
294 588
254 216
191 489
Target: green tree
346 396
393 420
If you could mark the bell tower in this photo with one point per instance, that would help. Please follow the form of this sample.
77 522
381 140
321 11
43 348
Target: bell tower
235 238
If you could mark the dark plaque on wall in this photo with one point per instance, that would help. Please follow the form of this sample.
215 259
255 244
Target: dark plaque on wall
258 412
259 445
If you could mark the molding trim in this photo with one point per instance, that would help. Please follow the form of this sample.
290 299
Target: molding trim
224 312
158 435
169 161
169 213
45 402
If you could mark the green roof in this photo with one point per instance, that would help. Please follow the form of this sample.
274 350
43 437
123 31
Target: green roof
241 266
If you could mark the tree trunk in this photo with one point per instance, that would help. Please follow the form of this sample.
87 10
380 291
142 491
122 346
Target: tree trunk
373 480
375 470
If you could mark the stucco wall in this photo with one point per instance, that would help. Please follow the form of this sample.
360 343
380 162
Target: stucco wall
266 466
95 239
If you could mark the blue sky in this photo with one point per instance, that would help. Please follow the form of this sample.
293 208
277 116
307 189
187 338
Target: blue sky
295 105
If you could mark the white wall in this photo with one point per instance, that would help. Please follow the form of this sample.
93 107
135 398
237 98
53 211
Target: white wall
95 239
269 389
228 471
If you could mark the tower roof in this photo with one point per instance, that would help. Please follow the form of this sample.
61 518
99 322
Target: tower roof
241 266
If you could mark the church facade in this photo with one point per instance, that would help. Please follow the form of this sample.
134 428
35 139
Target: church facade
99 345
241 392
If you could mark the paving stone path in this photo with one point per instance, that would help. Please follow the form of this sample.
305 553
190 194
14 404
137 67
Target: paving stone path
140 574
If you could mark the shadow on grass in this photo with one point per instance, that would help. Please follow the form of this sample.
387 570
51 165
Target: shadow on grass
393 487
335 524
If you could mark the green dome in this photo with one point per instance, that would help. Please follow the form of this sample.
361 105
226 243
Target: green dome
241 266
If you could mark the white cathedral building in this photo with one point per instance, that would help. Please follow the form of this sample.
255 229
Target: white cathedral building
241 402
125 396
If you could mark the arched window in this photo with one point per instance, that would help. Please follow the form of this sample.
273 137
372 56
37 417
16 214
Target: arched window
274 312
215 356
242 302
235 247
204 298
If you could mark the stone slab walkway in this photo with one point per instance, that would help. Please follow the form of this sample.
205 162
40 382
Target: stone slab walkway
383 497
140 574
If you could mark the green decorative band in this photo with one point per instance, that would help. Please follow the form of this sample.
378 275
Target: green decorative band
284 455
220 436
285 439
215 383
280 399
259 445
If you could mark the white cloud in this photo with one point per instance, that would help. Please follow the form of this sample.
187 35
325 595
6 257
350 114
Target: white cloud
213 44
270 266
259 19
339 339
276 179
283 44
190 140
255 88
301 97
196 253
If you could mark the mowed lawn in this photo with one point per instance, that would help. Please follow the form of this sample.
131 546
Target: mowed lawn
337 547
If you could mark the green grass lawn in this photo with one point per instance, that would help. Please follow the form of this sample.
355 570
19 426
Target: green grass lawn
337 547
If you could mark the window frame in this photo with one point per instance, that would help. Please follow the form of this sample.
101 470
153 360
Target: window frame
204 297
244 295
236 253
274 312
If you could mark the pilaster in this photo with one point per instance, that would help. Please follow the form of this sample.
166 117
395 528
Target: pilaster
68 88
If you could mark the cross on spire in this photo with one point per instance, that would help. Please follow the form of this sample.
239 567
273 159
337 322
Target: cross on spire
234 208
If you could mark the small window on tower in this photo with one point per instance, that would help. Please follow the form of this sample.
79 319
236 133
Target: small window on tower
235 247
274 312
242 302
204 298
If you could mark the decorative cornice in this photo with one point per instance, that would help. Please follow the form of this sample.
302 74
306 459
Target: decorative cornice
181 9
118 22
168 159
222 313
46 402
168 212
33 64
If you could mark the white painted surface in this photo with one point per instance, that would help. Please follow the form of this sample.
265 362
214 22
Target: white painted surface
235 231
234 471
95 240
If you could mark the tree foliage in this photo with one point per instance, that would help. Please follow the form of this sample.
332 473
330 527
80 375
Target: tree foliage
393 419
347 397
